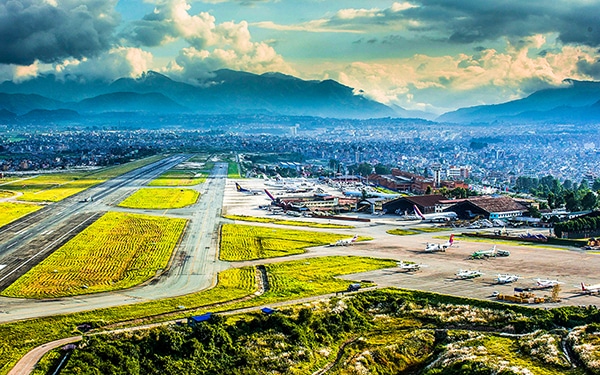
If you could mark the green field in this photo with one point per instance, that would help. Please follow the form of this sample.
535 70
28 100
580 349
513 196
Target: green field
245 242
10 212
297 223
179 178
56 187
17 338
160 198
116 252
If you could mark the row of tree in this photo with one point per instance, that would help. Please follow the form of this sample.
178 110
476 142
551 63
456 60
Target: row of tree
588 224
572 196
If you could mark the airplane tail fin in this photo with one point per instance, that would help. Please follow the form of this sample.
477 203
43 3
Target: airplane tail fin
238 187
451 240
355 238
583 287
269 195
418 212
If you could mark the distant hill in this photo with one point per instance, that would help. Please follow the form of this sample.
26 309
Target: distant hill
129 102
578 102
224 92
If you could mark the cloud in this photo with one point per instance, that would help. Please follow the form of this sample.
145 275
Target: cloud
115 63
486 76
49 31
212 45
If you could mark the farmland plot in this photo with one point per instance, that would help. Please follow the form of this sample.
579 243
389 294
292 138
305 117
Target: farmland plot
10 212
162 198
246 242
179 178
118 251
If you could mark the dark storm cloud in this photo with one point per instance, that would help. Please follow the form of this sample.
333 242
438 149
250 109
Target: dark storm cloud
471 21
33 30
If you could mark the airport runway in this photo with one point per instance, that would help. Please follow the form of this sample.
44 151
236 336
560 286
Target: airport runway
195 264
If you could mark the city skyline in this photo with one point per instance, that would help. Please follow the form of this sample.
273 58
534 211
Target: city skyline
428 55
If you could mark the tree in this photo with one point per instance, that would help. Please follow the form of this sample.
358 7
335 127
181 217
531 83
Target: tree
571 202
429 190
534 212
364 169
382 169
589 201
551 200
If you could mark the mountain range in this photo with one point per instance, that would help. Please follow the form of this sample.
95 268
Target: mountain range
228 92
225 92
576 102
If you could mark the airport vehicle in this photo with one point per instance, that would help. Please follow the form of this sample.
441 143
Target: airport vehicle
491 253
240 189
589 289
506 278
468 274
353 287
409 267
345 242
433 247
543 284
438 216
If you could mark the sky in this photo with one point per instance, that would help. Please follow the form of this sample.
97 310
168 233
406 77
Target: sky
429 55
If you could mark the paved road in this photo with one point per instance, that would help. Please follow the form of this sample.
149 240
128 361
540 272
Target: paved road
198 263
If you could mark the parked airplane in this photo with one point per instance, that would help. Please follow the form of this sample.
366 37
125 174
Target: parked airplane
438 216
432 247
505 278
468 274
240 189
370 194
589 289
491 253
546 283
409 267
345 241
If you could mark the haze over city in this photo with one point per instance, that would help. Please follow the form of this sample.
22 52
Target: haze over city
433 56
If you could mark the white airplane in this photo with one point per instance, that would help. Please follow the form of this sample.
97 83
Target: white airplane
438 216
345 241
432 247
589 289
240 189
409 267
505 278
546 283
468 274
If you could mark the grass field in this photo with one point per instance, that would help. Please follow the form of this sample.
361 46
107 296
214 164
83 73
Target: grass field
56 187
402 232
160 198
10 212
116 252
246 242
18 338
6 194
179 178
302 278
233 170
296 279
297 223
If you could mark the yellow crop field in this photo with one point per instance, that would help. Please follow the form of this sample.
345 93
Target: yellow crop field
50 188
10 212
56 187
245 242
118 251
6 194
296 223
160 198
179 178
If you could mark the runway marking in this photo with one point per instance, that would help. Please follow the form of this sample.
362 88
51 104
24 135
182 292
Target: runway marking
2 266
45 248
